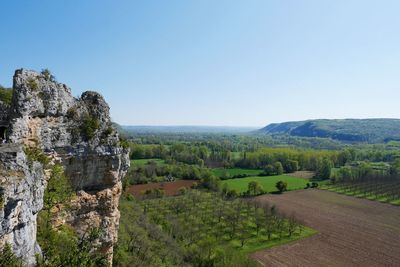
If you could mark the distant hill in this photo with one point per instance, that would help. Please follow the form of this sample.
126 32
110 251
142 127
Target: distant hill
347 130
187 129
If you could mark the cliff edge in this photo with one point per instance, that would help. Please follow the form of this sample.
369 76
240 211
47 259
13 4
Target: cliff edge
74 132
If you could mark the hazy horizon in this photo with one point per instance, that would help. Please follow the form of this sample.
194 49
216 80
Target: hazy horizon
225 63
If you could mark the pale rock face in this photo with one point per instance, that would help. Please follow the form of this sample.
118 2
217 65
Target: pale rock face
22 188
45 114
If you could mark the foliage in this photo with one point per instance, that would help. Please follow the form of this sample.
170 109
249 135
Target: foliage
34 153
6 95
267 182
141 243
33 84
61 246
348 130
281 186
203 230
89 126
324 169
58 188
8 258
254 188
48 75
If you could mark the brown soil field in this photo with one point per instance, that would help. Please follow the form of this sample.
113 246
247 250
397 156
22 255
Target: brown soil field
352 231
302 174
170 188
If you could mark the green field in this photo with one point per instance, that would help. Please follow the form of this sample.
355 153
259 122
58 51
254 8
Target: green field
222 172
142 162
268 182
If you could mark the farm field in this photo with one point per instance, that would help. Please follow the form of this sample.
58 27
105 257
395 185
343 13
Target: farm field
221 172
388 192
352 231
142 162
170 188
267 182
198 216
302 174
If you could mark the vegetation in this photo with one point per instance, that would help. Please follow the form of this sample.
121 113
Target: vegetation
268 183
34 153
369 181
48 75
6 95
33 84
202 229
349 130
61 246
89 126
8 258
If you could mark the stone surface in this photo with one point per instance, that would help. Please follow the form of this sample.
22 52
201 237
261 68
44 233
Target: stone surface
76 133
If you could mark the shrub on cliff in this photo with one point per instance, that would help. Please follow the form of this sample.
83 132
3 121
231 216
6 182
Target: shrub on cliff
90 126
8 258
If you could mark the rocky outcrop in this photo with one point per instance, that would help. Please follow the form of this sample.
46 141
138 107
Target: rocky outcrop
21 198
76 133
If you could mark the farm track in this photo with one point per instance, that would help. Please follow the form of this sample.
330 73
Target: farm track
352 231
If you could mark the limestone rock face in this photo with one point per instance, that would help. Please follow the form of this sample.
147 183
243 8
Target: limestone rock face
78 134
21 192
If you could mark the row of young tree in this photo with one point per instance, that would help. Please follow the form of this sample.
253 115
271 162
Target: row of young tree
366 181
206 225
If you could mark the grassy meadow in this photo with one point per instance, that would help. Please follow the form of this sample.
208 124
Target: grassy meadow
267 182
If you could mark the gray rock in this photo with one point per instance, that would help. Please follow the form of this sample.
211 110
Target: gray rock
74 132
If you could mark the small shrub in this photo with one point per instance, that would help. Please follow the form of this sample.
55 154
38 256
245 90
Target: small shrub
90 126
47 75
33 84
36 154
8 258
314 185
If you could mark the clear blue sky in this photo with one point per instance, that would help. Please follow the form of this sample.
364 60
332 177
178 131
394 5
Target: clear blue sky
213 62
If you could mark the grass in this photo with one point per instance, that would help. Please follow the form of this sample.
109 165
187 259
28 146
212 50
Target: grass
261 242
142 162
221 172
163 212
267 182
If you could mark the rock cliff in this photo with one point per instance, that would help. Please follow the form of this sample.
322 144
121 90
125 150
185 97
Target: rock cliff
78 134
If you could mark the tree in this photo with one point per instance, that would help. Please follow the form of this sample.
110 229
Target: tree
269 170
278 168
254 188
292 166
324 169
281 186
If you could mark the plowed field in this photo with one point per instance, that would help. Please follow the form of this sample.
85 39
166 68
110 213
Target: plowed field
352 231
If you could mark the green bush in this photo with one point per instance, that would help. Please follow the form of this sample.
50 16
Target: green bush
33 84
6 95
47 75
8 258
90 126
33 153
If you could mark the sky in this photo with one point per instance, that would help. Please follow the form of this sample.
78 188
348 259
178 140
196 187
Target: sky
225 63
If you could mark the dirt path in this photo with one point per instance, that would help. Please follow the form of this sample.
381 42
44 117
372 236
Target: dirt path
352 232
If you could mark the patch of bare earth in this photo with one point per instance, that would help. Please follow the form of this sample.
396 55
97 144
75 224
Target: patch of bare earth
302 174
352 231
170 188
